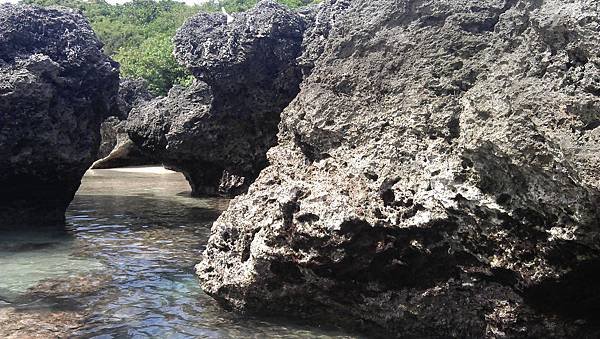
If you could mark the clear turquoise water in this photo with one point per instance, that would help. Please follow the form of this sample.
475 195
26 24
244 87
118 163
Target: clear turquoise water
125 261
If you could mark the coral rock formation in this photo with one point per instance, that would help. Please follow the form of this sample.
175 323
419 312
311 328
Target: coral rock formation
56 87
217 132
116 149
437 175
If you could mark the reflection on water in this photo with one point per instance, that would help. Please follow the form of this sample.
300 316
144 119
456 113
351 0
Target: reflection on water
123 267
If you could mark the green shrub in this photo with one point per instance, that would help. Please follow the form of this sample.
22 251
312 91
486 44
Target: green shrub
138 34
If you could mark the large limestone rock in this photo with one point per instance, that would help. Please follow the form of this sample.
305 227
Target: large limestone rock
56 87
217 132
438 175
116 148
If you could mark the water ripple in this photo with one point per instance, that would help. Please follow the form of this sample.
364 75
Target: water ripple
124 267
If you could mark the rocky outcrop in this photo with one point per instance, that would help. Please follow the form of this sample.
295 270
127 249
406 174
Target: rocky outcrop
132 92
108 136
437 176
56 87
217 131
116 148
123 152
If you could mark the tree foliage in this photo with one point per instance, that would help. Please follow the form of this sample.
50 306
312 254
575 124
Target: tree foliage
242 5
138 34
153 60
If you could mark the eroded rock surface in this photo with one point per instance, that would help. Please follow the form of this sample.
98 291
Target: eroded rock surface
217 132
56 87
108 136
132 92
437 176
116 148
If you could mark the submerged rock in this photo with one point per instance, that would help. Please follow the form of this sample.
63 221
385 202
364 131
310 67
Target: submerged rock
437 176
116 149
53 308
217 131
56 87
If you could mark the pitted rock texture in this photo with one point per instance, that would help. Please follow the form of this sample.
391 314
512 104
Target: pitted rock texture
56 87
116 148
132 92
217 132
437 176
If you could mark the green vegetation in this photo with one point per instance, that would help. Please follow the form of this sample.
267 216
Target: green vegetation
138 34
242 5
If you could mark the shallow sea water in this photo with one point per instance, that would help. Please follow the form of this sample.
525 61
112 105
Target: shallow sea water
123 267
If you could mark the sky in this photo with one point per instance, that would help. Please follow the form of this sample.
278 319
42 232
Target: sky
189 2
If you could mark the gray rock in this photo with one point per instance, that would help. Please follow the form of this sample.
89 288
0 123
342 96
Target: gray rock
116 149
108 136
123 152
132 92
222 126
437 176
56 87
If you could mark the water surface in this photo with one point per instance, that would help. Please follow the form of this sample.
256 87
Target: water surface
123 267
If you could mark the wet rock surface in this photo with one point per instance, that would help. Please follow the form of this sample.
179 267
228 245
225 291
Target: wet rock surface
436 176
15 324
42 311
56 87
116 148
217 131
